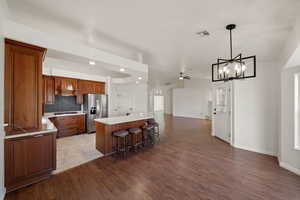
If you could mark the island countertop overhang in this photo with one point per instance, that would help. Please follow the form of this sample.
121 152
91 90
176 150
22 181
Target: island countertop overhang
124 119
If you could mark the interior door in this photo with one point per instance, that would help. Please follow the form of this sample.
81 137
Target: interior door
222 111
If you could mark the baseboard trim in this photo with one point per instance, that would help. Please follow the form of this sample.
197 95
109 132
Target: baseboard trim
255 150
193 117
289 167
2 193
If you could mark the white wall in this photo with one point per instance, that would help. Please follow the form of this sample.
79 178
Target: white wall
192 100
289 157
2 189
256 110
128 98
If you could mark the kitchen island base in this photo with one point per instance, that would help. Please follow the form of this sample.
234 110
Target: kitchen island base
104 134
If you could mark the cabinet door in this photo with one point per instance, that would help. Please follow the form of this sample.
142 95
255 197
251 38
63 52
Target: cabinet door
81 123
28 159
90 87
23 87
86 87
99 88
49 96
57 85
79 99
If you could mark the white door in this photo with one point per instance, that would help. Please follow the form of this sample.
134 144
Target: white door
222 111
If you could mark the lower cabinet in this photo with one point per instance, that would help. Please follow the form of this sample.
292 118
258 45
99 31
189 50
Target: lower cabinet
69 125
29 159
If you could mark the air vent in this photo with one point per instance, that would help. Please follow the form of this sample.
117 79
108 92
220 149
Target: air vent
204 33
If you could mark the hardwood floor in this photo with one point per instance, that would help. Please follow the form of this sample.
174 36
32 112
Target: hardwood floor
187 164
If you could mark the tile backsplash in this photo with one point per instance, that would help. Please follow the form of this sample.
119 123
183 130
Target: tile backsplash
63 104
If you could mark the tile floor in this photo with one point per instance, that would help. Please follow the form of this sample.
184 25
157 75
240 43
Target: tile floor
75 150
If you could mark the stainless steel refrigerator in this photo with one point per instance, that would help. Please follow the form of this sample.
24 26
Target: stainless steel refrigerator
95 106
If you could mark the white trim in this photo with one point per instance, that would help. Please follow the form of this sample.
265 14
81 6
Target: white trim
289 167
262 151
191 116
2 193
297 148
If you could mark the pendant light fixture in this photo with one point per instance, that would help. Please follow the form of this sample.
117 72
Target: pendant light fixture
235 67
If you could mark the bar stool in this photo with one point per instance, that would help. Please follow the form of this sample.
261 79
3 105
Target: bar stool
148 134
120 140
155 125
136 138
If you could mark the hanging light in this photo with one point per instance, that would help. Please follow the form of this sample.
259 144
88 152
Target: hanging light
233 68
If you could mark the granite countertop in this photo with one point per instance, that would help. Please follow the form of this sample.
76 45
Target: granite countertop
52 114
47 127
124 119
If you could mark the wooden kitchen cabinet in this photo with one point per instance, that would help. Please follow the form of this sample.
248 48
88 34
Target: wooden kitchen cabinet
99 88
29 159
91 87
49 90
69 125
65 86
81 123
23 94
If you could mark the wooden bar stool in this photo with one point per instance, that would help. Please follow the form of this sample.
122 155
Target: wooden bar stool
136 138
120 140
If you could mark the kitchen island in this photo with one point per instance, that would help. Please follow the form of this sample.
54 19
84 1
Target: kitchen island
106 126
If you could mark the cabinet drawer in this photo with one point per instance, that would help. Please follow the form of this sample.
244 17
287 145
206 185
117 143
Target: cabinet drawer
69 125
67 132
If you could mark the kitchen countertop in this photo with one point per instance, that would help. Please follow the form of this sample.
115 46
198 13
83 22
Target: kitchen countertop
48 127
52 114
124 119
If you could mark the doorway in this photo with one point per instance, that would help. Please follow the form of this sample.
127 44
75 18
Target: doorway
158 103
222 111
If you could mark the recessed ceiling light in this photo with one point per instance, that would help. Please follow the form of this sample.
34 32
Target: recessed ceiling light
140 78
203 33
137 82
122 70
92 62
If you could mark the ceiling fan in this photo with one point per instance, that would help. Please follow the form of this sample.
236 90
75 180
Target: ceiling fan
182 76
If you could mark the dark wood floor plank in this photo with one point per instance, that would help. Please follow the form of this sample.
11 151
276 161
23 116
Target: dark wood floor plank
187 164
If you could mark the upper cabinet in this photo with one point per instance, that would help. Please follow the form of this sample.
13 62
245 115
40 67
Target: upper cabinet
23 86
91 87
65 86
61 86
49 92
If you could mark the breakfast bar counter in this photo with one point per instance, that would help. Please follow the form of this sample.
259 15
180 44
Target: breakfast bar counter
106 126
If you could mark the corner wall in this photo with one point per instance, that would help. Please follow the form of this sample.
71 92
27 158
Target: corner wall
289 157
256 110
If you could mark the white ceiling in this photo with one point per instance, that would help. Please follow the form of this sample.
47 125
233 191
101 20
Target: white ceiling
80 64
164 30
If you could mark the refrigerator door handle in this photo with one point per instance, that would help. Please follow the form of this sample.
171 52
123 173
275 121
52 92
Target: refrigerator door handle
97 108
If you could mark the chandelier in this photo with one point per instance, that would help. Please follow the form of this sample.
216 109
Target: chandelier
237 67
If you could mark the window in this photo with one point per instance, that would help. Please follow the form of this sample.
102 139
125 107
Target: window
297 111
